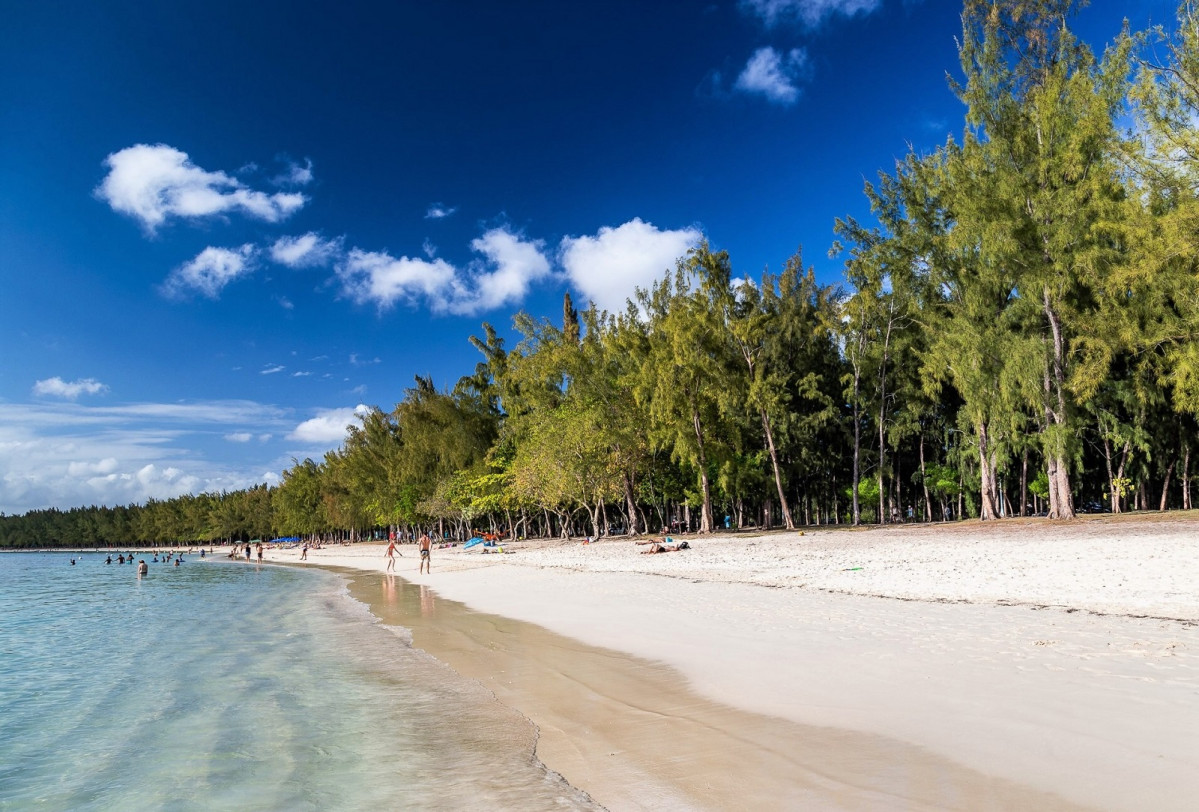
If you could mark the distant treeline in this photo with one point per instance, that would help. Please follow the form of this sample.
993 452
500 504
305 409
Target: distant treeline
1016 334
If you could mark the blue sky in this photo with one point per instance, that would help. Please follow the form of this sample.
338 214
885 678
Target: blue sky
225 226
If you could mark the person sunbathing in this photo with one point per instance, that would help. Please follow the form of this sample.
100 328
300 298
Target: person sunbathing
666 548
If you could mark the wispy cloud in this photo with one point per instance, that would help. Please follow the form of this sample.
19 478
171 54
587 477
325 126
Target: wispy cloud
437 211
295 175
272 369
239 437
306 251
209 272
773 75
57 387
809 13
609 266
65 454
153 183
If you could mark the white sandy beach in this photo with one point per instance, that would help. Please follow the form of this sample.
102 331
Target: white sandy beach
1054 658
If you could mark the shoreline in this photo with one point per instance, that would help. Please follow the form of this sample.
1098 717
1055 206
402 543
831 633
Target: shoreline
1026 652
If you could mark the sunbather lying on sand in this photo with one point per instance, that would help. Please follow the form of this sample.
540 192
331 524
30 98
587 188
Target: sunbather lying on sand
666 548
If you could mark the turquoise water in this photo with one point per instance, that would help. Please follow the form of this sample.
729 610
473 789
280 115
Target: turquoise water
220 685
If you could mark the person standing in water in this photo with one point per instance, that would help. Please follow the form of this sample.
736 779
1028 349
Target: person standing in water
425 546
142 567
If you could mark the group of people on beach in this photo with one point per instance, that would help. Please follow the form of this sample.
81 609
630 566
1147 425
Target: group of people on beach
425 546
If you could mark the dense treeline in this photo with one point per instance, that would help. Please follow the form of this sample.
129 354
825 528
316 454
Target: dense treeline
1016 335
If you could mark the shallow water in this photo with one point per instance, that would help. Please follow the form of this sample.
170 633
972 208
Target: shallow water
220 685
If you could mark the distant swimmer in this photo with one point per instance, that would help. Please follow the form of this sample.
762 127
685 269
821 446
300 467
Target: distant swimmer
109 560
142 567
177 560
120 559
72 562
426 564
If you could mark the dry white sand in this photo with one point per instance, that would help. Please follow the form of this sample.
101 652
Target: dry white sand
1058 656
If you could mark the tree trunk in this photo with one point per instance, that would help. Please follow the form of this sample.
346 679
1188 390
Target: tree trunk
989 508
774 463
857 451
1061 501
928 501
1113 493
705 518
1166 484
1186 476
630 504
1024 484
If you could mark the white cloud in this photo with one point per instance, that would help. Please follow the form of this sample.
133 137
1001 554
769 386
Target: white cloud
306 251
515 264
608 267
509 266
155 182
239 437
773 75
296 175
66 454
438 211
271 370
376 276
209 272
59 388
329 426
809 13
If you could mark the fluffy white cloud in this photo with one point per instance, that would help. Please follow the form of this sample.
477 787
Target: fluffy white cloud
513 264
306 251
376 276
209 272
510 265
608 267
154 182
772 74
807 12
59 388
437 211
329 426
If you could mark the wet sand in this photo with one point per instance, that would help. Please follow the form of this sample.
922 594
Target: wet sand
633 735
1019 665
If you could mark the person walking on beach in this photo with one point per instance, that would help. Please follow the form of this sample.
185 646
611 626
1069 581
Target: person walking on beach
304 552
260 552
391 556
425 546
247 551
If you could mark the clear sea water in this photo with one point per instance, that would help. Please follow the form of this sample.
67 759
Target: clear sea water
219 685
